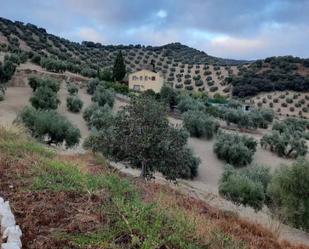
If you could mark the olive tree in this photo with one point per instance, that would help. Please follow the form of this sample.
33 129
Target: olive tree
98 117
103 96
287 138
235 149
44 98
72 89
200 124
141 136
288 192
246 186
50 127
36 82
187 103
74 104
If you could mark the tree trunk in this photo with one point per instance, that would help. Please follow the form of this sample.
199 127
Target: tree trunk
144 170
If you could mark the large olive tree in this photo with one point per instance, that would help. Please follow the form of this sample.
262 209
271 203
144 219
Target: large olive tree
141 136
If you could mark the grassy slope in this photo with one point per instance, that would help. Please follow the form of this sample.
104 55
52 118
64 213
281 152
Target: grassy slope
79 202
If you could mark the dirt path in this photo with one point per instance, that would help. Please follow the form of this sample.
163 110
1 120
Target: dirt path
16 98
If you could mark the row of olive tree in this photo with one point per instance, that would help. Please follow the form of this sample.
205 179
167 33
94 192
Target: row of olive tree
42 120
285 192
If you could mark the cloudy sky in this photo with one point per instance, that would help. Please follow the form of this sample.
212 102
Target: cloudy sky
239 29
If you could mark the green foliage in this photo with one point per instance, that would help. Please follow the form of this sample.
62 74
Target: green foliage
92 85
287 138
119 70
289 190
72 89
140 135
74 104
44 98
169 96
7 70
36 82
247 186
98 117
50 127
105 75
103 96
53 65
200 124
258 118
235 149
187 103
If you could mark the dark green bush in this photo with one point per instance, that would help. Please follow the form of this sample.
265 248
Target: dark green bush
44 98
92 85
50 127
36 82
74 104
72 88
103 96
235 149
200 124
247 186
289 190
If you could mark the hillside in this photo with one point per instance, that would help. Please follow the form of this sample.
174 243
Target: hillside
184 67
80 202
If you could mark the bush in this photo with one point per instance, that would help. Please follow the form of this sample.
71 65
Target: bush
103 96
200 124
36 82
72 89
98 117
187 103
213 89
44 98
244 187
287 138
74 104
50 127
234 149
92 85
289 190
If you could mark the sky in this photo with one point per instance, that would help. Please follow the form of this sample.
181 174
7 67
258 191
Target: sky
236 29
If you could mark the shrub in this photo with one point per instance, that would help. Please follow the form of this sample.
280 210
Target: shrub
72 89
234 149
287 138
103 96
44 98
49 126
200 124
187 103
74 104
92 85
36 82
199 83
246 187
213 88
289 190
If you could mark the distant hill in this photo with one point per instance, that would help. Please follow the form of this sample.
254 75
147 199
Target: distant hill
184 67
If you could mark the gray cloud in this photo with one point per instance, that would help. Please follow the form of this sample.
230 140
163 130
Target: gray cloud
227 28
